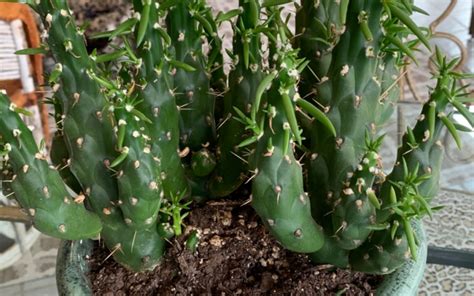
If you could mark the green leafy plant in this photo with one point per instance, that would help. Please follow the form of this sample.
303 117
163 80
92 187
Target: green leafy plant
145 129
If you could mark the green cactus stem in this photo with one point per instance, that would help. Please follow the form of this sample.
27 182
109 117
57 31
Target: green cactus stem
354 213
414 180
138 250
39 188
244 80
185 26
89 137
89 134
60 159
348 100
278 194
381 253
319 26
203 163
277 190
139 183
159 103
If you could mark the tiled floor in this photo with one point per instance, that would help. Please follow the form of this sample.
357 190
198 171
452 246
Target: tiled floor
40 287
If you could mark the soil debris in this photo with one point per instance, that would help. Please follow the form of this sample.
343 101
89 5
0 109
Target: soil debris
235 256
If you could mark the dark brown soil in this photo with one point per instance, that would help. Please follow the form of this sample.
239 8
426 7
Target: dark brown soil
235 256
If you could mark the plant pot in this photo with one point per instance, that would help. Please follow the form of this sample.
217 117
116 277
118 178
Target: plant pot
72 269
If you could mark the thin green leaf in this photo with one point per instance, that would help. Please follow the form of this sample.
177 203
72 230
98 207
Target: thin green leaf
452 129
248 142
182 65
144 20
405 49
204 23
464 111
410 238
262 87
432 118
270 3
424 204
291 116
343 8
393 195
394 228
404 18
164 35
223 17
378 227
120 158
123 28
317 114
110 56
463 128
419 10
141 116
32 51
373 198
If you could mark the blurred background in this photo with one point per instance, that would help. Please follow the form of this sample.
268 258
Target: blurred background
27 258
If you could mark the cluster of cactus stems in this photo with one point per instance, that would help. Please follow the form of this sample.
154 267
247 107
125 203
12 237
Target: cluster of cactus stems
156 123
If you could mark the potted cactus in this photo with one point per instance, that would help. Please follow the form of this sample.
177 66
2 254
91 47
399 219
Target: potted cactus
155 126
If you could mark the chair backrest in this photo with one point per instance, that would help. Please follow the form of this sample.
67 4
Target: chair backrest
12 66
9 65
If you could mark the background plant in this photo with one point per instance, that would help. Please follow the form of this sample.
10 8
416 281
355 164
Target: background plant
155 123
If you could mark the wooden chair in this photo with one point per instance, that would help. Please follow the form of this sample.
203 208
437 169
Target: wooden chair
20 75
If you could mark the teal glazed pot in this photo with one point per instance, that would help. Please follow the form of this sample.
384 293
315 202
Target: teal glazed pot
72 269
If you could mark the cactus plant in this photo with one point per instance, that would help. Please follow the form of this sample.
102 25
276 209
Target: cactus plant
139 134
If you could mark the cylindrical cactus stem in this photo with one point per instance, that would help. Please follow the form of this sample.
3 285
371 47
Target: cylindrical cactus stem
278 194
245 79
39 188
88 134
408 190
60 159
90 137
326 20
354 211
382 253
158 97
192 81
279 199
138 250
215 63
58 153
203 163
331 253
421 153
138 172
347 95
